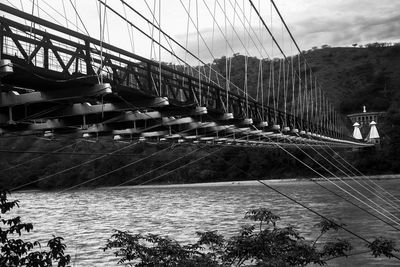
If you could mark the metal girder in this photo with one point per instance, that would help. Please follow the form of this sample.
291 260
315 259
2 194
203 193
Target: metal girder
10 99
85 109
151 115
175 84
133 79
135 116
139 130
48 125
155 134
168 121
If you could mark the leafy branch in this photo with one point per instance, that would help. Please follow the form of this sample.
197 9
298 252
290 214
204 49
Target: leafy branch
17 252
269 245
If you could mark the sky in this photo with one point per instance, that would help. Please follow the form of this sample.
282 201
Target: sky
312 22
342 22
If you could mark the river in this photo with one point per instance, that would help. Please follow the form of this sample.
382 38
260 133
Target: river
86 218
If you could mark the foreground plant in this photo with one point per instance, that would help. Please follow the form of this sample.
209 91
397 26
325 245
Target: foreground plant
17 252
264 244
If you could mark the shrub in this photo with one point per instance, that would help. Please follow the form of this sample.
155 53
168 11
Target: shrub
264 244
17 252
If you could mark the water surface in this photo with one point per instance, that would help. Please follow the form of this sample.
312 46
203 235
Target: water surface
86 218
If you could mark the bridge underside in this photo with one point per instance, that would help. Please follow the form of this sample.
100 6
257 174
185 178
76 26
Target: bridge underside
56 81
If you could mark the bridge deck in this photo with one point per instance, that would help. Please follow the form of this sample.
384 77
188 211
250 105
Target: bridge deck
63 81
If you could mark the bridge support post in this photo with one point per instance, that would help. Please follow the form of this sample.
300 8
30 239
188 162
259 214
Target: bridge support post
1 40
84 125
88 59
149 83
10 116
45 57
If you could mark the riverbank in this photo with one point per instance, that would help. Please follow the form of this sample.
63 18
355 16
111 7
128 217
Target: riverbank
232 183
255 182
137 166
371 177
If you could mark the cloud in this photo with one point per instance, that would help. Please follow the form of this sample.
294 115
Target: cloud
339 23
345 32
313 23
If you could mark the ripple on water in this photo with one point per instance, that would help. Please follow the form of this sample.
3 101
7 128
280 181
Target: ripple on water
86 218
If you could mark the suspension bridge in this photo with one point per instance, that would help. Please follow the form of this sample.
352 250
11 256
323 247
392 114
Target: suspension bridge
59 81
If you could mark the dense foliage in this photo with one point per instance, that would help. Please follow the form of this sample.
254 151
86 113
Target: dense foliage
265 244
16 252
228 164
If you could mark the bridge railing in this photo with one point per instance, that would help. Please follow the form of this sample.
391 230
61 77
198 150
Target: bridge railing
60 53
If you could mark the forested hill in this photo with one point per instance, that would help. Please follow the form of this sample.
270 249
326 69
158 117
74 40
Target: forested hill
351 77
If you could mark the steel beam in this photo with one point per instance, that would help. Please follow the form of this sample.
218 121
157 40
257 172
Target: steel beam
10 99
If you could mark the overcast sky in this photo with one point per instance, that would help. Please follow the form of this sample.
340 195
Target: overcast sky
312 22
342 22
